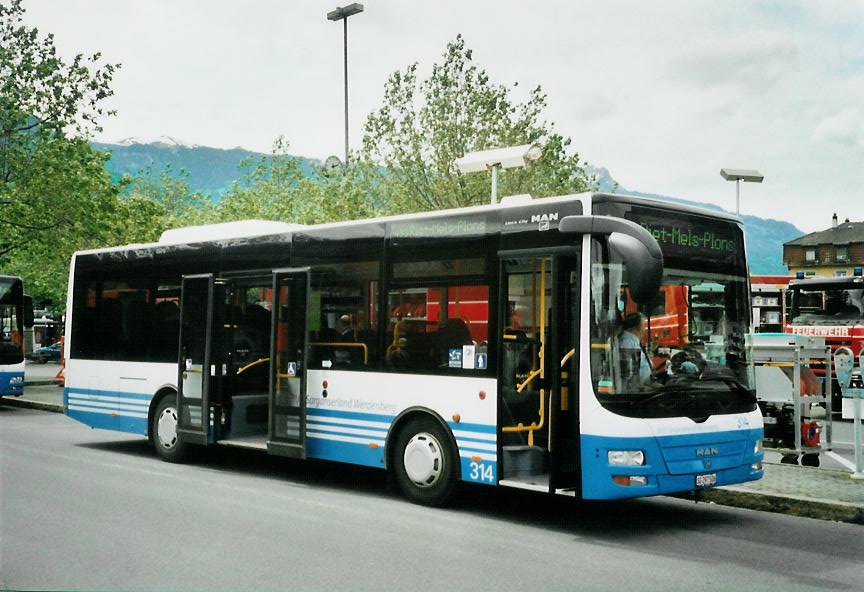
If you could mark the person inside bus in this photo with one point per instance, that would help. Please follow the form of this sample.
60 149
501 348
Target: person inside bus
397 351
345 328
634 368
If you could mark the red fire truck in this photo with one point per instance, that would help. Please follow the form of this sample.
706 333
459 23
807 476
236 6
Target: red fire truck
831 308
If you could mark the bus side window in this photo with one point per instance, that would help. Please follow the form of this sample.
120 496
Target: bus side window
344 330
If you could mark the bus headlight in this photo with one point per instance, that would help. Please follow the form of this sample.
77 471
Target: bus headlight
757 448
16 380
625 457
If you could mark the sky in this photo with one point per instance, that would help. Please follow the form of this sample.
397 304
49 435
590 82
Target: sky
663 94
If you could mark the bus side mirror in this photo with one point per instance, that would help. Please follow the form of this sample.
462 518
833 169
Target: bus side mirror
28 312
637 247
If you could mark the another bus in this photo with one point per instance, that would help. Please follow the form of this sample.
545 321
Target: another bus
14 309
478 344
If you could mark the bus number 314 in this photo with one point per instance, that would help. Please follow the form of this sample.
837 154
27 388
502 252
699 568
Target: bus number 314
482 472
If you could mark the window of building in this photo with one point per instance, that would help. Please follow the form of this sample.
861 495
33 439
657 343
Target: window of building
810 255
840 273
842 253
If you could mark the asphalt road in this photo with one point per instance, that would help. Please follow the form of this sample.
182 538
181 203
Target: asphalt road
94 510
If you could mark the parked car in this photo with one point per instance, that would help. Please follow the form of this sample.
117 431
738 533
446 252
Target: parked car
50 353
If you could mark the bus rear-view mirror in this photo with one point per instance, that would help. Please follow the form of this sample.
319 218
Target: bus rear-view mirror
635 245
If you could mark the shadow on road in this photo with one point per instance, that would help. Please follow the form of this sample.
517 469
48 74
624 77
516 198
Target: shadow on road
138 448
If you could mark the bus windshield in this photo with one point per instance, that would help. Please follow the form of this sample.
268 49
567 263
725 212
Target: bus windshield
843 305
11 321
683 354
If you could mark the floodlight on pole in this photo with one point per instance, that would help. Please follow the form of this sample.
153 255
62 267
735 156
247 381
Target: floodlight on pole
341 14
738 175
498 158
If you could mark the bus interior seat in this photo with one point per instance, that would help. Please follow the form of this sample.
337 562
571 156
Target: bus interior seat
453 333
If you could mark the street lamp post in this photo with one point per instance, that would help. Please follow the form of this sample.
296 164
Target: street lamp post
738 175
498 158
341 14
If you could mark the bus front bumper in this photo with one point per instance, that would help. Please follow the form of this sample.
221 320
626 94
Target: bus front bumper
672 464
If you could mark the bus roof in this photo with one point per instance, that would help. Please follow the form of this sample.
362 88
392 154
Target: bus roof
258 228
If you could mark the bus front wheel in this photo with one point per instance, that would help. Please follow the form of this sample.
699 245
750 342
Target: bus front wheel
164 430
425 463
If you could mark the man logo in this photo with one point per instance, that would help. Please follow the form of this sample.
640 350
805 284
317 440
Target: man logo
544 217
706 451
543 220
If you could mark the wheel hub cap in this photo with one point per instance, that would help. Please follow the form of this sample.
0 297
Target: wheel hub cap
167 427
423 460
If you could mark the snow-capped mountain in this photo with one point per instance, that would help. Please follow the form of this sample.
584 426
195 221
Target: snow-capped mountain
167 141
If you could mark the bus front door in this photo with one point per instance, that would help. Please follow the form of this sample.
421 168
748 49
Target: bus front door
538 403
288 352
198 376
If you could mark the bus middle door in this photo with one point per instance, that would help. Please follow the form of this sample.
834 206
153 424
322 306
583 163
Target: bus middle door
198 376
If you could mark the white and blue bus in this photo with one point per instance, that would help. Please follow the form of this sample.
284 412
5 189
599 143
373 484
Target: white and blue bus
14 307
478 344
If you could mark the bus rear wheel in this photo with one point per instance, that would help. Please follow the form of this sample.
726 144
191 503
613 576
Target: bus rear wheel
164 430
425 463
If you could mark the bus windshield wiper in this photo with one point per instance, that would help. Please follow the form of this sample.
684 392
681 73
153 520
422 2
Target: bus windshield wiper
732 383
729 380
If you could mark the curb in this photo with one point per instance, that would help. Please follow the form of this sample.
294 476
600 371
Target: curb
28 403
764 502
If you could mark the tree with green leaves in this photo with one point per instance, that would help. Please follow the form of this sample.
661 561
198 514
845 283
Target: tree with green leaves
423 127
155 202
54 190
274 187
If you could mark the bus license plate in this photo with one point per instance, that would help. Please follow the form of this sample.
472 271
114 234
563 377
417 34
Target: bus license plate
706 480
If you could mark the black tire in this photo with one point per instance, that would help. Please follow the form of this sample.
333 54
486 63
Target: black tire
789 459
434 464
164 432
810 460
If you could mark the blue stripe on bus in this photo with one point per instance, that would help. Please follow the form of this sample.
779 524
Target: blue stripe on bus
324 424
470 440
470 449
105 421
349 415
472 427
104 393
467 427
347 452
